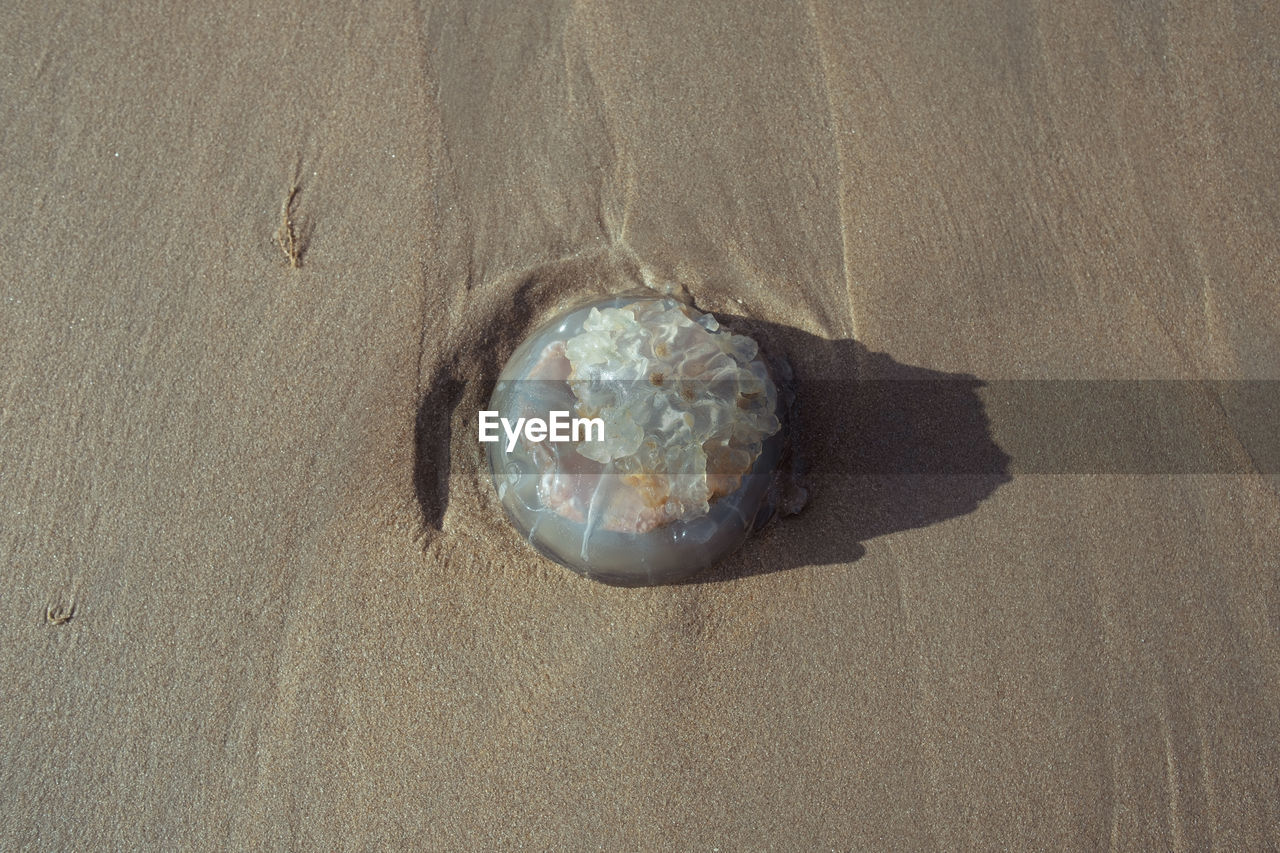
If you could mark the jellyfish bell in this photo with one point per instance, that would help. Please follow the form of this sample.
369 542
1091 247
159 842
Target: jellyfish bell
669 436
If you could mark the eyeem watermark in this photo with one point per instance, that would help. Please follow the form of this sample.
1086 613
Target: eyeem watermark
560 427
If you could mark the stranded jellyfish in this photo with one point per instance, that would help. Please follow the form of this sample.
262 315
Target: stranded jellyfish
634 440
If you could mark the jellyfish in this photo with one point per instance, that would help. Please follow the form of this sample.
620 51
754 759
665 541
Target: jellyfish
645 439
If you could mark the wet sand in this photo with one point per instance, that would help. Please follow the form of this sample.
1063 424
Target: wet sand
296 617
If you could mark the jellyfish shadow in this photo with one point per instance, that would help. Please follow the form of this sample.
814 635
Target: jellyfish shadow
880 446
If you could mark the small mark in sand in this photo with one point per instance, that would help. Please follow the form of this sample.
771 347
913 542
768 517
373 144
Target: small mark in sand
60 612
286 235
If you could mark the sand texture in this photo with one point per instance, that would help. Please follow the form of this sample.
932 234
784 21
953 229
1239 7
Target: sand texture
255 588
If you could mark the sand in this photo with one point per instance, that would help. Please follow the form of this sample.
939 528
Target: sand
297 619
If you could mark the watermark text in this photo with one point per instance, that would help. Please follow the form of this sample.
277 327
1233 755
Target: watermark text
557 428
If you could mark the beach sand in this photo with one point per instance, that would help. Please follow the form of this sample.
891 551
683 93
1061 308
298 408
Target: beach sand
297 616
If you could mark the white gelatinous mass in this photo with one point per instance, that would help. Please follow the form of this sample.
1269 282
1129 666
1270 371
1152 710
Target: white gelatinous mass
685 466
686 405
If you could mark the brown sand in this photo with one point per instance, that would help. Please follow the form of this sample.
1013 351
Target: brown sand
292 627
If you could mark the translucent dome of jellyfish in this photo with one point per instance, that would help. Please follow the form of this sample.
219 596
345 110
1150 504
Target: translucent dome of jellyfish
679 473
